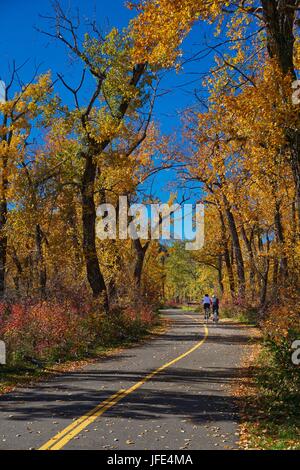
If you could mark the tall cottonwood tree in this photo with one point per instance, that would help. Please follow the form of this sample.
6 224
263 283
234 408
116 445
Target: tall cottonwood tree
120 89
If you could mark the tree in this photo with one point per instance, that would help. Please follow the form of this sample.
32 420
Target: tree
237 151
120 90
185 279
161 26
19 114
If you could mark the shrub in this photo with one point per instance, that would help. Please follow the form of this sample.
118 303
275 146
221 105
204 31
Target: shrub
240 309
281 328
44 330
52 331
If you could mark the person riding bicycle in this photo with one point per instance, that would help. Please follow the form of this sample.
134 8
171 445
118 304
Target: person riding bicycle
215 308
206 302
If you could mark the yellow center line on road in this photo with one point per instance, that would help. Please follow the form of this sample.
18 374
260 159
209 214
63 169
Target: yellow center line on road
66 435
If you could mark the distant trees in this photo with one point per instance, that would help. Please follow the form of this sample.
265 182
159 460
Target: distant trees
186 277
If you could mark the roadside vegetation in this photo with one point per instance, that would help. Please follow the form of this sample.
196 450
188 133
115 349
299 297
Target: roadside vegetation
271 412
271 406
45 339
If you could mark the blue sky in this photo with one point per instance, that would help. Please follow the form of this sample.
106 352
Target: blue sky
19 41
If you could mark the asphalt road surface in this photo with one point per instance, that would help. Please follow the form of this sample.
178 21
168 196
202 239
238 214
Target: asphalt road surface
172 392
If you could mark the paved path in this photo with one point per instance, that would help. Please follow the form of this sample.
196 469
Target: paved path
186 404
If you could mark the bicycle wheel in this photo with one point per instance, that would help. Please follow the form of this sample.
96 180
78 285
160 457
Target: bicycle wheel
206 314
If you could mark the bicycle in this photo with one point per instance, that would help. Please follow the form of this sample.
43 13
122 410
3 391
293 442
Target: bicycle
215 316
206 313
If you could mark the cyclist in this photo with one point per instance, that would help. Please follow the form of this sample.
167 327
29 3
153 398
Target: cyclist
215 308
206 302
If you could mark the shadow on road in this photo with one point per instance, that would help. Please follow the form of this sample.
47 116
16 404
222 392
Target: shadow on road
148 403
198 393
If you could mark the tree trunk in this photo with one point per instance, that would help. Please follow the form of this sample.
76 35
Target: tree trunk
279 18
71 220
264 273
265 276
237 249
94 275
28 274
19 269
3 246
42 273
295 231
283 265
220 274
275 278
140 258
264 286
251 261
229 271
3 220
227 258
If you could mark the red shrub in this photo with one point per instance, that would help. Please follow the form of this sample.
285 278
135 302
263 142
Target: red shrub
58 330
44 329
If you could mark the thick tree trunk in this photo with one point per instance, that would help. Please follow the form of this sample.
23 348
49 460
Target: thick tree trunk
94 275
139 263
251 261
279 18
283 265
227 258
265 278
220 274
264 274
229 271
237 249
264 286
